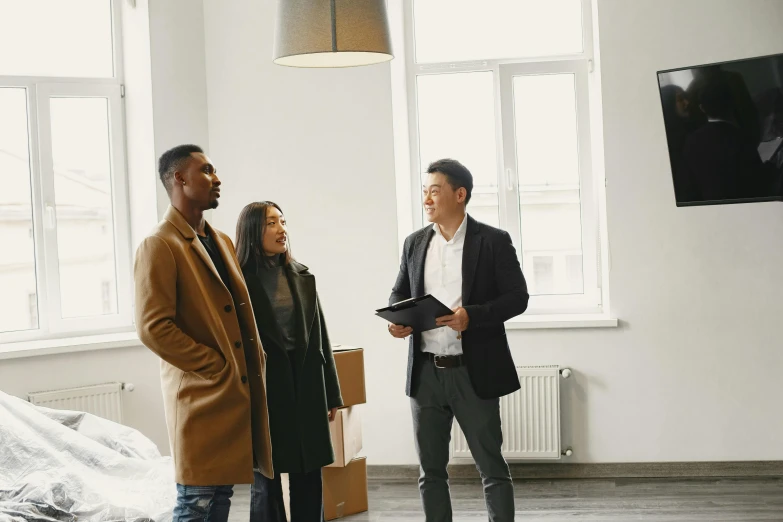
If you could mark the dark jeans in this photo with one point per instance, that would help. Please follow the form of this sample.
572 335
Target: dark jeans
212 503
442 395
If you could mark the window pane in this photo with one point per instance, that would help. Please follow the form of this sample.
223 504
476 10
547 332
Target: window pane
457 120
548 170
545 118
18 311
56 38
543 275
462 30
83 195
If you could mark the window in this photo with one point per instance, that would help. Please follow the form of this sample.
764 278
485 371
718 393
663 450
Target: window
502 86
64 227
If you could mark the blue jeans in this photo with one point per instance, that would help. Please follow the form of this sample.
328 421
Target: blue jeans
212 503
203 503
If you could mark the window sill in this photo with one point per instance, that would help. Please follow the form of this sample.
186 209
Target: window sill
68 345
554 321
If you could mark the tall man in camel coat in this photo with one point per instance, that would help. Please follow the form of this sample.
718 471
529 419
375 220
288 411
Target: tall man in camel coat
193 310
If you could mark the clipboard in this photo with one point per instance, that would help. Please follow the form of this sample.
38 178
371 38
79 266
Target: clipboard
417 312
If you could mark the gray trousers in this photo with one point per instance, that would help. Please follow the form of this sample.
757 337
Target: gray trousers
441 395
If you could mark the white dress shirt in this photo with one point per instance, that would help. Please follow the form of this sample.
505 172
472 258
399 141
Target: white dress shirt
443 280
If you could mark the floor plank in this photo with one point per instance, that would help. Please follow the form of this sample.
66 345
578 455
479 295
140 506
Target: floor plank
659 500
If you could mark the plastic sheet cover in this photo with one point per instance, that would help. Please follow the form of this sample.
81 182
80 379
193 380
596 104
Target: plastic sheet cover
58 465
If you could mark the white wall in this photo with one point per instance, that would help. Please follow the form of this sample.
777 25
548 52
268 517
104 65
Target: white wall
179 95
692 373
139 119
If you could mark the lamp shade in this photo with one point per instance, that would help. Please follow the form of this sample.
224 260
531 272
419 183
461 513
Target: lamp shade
332 33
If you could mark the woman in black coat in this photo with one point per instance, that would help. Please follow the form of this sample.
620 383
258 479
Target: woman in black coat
303 393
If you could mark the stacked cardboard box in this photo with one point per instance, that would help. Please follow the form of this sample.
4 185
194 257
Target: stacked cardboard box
350 372
346 430
345 481
345 489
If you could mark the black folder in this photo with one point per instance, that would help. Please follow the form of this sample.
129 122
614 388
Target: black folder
418 312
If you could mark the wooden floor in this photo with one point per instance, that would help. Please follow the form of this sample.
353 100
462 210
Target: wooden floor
680 500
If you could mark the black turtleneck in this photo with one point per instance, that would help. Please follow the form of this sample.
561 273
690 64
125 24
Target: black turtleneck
275 282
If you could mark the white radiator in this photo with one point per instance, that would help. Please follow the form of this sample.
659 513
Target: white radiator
530 417
102 400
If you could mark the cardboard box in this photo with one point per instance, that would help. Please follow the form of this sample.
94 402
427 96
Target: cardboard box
346 431
350 372
345 489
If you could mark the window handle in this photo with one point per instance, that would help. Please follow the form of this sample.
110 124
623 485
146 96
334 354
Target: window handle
509 180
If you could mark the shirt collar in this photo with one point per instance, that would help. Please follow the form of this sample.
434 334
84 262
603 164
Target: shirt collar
459 234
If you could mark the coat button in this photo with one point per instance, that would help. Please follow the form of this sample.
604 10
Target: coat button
238 344
244 379
227 308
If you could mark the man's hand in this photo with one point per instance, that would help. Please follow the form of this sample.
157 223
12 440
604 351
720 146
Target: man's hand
458 321
332 414
400 332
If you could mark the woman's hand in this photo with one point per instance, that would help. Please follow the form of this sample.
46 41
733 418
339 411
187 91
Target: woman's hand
332 414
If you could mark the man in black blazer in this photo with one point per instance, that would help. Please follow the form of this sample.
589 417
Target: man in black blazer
463 369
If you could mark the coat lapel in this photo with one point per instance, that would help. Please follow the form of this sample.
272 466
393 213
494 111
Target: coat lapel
470 257
174 217
303 290
419 258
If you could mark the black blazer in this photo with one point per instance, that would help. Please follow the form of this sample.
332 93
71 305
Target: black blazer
298 421
493 291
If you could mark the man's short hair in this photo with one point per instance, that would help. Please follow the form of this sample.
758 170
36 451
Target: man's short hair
173 160
456 174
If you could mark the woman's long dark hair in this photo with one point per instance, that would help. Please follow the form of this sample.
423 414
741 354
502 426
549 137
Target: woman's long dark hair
251 227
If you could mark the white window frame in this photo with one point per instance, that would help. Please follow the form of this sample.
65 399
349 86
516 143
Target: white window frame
504 70
39 90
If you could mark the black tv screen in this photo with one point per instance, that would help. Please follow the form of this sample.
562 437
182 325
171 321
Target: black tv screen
724 128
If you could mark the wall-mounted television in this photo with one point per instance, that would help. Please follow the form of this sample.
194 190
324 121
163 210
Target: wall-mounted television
724 129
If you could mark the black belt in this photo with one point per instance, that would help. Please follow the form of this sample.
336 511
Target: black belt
445 361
